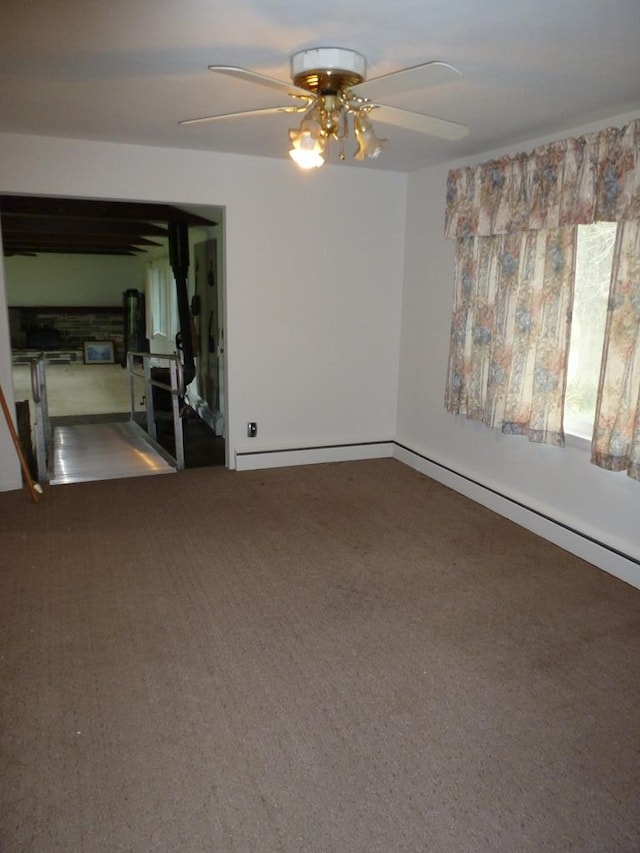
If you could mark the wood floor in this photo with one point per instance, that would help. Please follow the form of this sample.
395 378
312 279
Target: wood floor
103 451
89 406
81 389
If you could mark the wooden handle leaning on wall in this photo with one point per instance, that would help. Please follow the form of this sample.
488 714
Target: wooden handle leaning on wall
34 488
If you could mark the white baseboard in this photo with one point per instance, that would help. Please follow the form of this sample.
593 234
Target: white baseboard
281 458
598 554
11 485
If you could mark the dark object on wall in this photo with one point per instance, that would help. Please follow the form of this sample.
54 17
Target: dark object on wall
212 342
42 338
179 260
64 328
134 324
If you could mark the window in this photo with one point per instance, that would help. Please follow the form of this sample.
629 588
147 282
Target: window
514 288
162 300
594 257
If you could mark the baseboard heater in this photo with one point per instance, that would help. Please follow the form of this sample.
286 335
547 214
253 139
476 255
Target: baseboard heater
598 553
280 457
594 551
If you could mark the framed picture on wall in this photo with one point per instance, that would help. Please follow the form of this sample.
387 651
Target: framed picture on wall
98 352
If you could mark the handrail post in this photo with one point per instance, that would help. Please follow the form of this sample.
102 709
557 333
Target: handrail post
175 406
175 387
35 380
132 391
41 426
151 416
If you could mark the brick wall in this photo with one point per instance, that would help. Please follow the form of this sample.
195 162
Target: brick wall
66 328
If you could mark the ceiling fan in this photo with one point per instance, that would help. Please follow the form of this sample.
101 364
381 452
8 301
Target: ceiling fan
331 92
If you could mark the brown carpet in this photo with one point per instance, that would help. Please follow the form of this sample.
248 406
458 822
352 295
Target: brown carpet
346 658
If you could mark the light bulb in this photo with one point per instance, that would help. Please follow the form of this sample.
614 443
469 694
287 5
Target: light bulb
307 144
306 158
369 145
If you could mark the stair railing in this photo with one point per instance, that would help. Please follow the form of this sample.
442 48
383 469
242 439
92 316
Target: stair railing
175 387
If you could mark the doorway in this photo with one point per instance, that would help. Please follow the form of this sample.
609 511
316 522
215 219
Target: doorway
76 255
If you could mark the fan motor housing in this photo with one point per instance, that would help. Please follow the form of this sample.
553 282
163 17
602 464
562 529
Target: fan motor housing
326 70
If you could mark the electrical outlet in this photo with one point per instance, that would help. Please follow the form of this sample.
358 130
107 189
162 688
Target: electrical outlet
252 429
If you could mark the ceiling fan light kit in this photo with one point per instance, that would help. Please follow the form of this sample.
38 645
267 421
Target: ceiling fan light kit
369 145
332 93
330 73
331 68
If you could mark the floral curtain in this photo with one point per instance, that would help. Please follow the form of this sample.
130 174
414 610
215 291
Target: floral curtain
514 220
510 331
573 182
616 437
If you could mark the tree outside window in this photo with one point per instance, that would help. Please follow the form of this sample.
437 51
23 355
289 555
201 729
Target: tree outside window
594 258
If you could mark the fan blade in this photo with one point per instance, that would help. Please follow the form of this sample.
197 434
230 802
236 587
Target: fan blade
419 122
407 80
260 79
266 111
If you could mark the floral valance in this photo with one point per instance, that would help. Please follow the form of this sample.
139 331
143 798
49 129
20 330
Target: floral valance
578 181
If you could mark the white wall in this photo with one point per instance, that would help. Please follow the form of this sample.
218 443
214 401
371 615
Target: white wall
50 279
557 482
313 276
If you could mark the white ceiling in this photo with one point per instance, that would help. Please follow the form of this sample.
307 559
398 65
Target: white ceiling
129 70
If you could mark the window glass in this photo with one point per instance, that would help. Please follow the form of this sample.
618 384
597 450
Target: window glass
163 300
158 302
593 272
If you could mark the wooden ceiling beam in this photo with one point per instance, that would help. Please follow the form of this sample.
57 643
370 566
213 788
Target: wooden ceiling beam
56 250
85 226
67 225
97 209
78 240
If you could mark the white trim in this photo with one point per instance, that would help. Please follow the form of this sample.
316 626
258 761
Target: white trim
573 541
12 485
572 439
248 460
580 429
598 554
